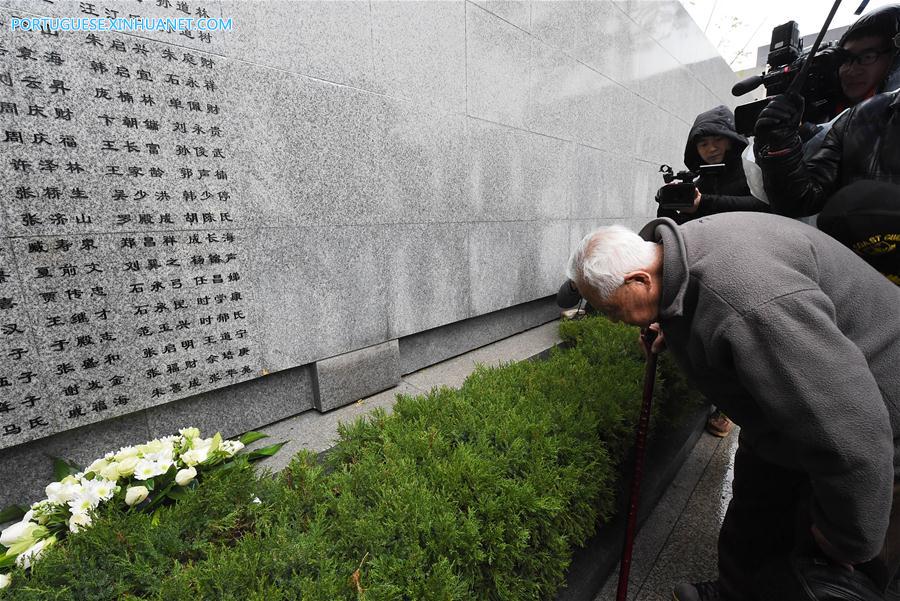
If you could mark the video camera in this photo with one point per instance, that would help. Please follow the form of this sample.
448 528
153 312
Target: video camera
681 195
821 90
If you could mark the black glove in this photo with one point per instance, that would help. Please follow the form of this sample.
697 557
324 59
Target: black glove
779 122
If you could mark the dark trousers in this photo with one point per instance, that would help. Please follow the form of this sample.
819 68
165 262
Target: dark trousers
767 527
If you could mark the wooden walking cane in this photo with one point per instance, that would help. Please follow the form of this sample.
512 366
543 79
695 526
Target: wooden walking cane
640 440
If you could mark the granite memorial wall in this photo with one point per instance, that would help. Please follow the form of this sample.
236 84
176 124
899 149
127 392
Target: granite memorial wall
228 228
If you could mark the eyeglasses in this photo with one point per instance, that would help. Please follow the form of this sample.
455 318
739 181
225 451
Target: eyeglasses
869 57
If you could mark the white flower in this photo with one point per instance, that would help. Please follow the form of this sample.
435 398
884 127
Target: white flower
40 511
60 493
98 465
5 579
190 433
126 466
79 520
111 471
146 469
125 453
158 450
23 531
149 447
164 456
161 452
185 476
230 447
31 554
256 500
84 502
100 488
201 443
195 456
135 494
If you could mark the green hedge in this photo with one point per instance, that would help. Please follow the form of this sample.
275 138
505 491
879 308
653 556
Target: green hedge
477 493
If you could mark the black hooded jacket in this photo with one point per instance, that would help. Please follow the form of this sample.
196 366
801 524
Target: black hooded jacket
722 192
864 143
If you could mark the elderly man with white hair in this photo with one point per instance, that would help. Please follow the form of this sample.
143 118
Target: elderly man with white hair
797 339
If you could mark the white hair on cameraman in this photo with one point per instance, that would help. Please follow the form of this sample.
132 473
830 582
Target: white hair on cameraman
606 255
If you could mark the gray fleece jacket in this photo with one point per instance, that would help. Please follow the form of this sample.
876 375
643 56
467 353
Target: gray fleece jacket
798 341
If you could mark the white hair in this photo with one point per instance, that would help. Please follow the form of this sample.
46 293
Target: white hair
603 258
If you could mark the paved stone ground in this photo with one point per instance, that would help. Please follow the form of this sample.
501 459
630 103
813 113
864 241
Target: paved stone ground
678 541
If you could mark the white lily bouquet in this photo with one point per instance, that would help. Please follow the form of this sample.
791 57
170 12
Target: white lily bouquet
139 477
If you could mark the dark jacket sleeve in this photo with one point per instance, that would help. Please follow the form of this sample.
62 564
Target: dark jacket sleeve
796 188
711 204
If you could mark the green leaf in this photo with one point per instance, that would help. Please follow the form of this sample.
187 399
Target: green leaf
220 467
149 484
160 497
265 451
252 437
8 561
12 513
63 468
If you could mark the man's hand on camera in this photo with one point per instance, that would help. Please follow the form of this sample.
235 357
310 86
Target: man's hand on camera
694 207
778 123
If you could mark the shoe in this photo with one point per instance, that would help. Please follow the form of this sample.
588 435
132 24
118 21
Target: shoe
572 314
719 425
699 591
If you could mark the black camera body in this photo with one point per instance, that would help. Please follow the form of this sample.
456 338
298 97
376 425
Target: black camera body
821 89
680 190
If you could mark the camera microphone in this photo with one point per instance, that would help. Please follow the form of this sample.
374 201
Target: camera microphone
746 85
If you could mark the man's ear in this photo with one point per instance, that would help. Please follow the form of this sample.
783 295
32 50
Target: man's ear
638 277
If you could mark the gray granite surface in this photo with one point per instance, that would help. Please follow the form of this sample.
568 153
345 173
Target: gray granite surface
433 346
329 40
185 214
239 408
513 262
211 41
419 51
346 378
427 279
26 469
327 287
498 68
515 12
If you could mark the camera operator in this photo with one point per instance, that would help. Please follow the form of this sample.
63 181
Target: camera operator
713 140
863 144
869 55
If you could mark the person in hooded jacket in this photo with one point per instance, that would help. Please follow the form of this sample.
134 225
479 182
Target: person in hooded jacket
869 55
862 145
713 140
